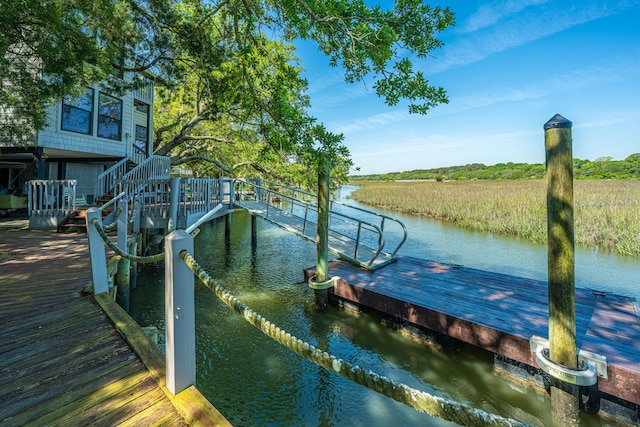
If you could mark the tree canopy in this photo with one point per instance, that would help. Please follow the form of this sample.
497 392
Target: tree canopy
231 94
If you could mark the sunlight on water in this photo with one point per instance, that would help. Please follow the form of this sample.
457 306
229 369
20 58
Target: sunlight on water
254 381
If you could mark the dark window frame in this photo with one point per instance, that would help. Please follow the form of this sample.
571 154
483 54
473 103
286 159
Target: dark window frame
76 106
109 119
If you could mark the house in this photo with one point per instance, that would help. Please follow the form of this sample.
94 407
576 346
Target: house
85 136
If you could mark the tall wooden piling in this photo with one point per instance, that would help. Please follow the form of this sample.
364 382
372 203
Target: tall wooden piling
322 237
254 231
123 284
561 274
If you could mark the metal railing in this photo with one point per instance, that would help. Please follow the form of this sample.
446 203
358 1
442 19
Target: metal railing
364 227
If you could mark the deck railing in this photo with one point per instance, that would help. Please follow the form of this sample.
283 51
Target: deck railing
51 198
198 196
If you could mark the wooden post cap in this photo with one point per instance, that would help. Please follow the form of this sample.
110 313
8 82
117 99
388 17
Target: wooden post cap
557 121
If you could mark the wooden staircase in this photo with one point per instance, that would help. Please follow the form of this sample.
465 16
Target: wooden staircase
75 221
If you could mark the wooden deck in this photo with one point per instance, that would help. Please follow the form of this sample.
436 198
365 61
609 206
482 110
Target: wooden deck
62 362
497 312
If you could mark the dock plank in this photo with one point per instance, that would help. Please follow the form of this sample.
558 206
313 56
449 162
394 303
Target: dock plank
58 350
497 312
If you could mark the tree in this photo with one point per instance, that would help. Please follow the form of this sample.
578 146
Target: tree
233 95
51 48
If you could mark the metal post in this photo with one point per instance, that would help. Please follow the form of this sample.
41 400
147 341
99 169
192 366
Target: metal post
322 238
179 314
97 252
560 228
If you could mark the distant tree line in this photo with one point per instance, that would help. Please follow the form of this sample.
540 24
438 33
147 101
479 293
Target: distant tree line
600 168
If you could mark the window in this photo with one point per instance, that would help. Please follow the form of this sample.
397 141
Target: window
141 119
142 137
142 107
109 117
77 113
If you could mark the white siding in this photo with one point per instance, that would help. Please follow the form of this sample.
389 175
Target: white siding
90 145
87 177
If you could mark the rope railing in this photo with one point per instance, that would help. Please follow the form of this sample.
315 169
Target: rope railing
424 402
114 223
114 247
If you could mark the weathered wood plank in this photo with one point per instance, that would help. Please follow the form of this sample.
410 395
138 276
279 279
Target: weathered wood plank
61 361
80 398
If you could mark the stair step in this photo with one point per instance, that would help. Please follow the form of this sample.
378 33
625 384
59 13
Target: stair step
72 224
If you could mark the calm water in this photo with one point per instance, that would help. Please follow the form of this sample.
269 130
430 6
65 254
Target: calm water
254 381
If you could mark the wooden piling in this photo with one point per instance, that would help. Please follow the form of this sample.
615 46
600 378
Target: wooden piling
123 283
97 252
227 228
254 231
322 238
561 274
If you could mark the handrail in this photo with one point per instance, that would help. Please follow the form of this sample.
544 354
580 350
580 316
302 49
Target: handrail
382 217
112 201
153 167
107 180
337 216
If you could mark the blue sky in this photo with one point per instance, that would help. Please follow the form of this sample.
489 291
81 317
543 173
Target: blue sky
508 66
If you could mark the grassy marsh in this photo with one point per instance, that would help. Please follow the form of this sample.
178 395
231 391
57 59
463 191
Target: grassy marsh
607 213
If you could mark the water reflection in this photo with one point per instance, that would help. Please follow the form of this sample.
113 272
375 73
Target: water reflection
254 381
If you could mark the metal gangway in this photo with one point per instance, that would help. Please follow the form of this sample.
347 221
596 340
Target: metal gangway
366 238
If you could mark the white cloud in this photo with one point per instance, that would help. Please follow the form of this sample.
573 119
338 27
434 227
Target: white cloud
376 120
621 117
519 23
491 13
566 83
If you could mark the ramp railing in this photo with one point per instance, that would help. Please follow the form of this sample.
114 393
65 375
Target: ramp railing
356 234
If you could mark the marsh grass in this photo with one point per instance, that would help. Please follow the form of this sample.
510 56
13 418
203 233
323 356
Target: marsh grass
607 213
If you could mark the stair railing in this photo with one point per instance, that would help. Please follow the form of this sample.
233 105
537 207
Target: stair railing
107 180
154 167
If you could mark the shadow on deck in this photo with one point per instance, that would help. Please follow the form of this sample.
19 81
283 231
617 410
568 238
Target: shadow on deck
62 361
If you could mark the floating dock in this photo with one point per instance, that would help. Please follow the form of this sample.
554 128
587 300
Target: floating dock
497 312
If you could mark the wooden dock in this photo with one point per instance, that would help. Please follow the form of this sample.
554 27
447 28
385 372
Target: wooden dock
62 361
496 312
